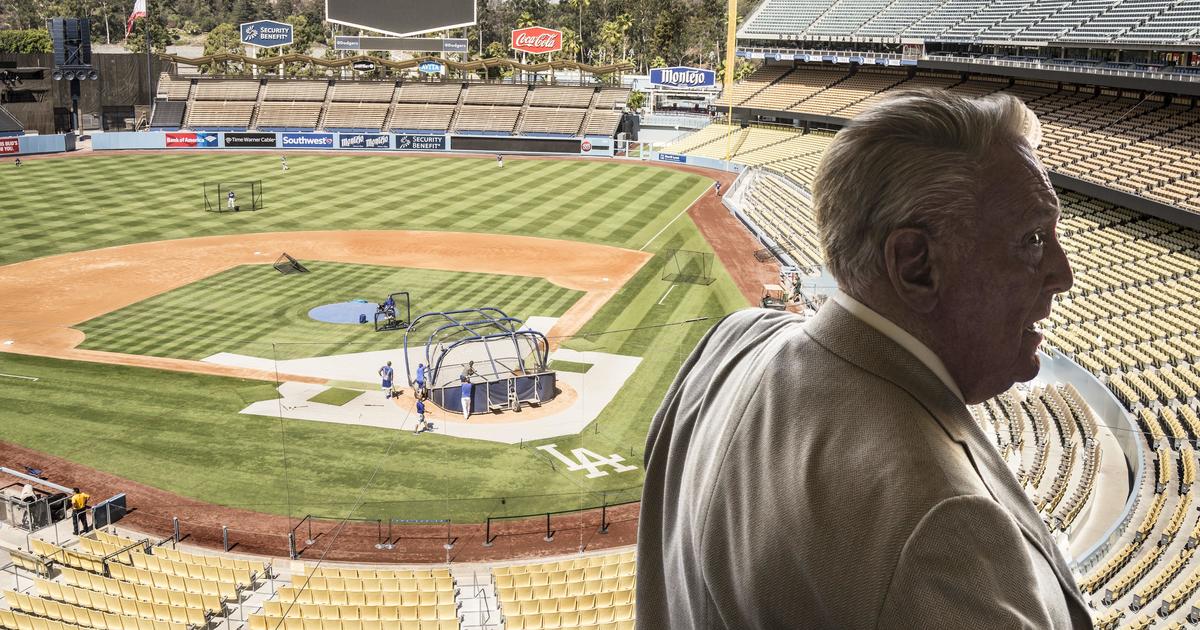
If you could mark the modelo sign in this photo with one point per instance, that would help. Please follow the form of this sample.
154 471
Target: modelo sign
306 140
537 40
267 33
683 77
364 141
430 67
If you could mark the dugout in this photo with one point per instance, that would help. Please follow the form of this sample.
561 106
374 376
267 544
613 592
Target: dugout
509 361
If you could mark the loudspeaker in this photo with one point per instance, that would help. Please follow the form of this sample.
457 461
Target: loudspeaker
72 42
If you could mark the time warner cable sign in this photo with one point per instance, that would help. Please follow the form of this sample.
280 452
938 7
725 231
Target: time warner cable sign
683 77
266 33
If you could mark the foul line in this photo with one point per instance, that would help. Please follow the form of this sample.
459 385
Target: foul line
26 378
664 297
664 228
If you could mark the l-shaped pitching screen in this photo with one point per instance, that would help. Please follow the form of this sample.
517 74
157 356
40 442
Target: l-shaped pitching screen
401 17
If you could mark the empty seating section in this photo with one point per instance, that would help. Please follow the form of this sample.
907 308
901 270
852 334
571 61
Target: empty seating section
444 93
575 593
410 106
1125 140
226 90
332 598
39 607
496 118
173 88
753 84
288 115
1000 21
422 117
797 86
496 94
561 97
612 98
355 115
167 115
296 90
350 92
564 120
226 114
602 123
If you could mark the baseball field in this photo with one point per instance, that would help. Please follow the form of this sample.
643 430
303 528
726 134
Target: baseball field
116 285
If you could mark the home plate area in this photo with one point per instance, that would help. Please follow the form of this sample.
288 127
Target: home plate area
581 398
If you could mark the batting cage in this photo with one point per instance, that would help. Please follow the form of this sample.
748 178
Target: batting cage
503 362
232 196
683 265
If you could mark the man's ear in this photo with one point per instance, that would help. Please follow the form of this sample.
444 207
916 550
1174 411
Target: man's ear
909 256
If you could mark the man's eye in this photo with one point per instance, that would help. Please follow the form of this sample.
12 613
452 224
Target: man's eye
1037 239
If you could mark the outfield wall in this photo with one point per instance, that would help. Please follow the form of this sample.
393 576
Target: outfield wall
369 141
30 144
695 160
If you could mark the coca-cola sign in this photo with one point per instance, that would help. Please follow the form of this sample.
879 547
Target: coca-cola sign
537 39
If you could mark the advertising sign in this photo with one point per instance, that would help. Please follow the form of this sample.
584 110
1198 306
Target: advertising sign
364 141
412 44
414 142
585 146
683 77
306 140
363 66
249 140
431 67
537 40
672 157
189 140
10 145
267 33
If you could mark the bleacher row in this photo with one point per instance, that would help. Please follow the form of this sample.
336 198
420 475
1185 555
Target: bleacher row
1125 140
275 104
592 593
1055 21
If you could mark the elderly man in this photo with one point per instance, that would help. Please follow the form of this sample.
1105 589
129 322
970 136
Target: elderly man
828 474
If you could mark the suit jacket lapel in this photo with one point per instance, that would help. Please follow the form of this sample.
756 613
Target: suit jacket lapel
854 340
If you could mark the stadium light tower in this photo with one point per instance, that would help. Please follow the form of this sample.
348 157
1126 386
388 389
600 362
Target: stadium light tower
730 60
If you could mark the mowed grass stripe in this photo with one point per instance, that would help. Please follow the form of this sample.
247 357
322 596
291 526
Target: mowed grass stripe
135 198
252 309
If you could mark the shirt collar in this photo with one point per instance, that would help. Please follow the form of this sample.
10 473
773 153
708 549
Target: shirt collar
900 336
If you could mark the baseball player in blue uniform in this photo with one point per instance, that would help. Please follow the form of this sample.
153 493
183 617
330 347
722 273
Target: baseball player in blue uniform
420 416
466 398
385 373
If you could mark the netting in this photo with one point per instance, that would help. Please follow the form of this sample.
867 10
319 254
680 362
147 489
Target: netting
233 196
692 267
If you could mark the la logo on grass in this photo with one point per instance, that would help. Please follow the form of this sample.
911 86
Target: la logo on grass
587 460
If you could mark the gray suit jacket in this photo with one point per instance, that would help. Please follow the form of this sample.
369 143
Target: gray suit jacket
820 476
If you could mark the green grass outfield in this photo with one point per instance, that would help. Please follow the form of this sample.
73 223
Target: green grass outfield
182 432
55 206
256 311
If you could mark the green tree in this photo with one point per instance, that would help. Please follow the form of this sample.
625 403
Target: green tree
25 41
637 100
225 38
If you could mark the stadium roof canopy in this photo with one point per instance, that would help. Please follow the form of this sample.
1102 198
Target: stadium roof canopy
467 66
1071 23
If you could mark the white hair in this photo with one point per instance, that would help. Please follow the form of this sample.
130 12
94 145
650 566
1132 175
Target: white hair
916 159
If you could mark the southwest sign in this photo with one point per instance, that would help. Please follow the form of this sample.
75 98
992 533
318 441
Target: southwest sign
683 77
267 33
537 40
306 140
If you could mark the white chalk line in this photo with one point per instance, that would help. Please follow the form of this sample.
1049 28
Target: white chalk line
664 228
664 297
24 378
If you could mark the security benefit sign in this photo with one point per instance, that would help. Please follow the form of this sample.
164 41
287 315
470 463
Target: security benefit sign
683 77
306 140
583 459
364 141
417 142
266 33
